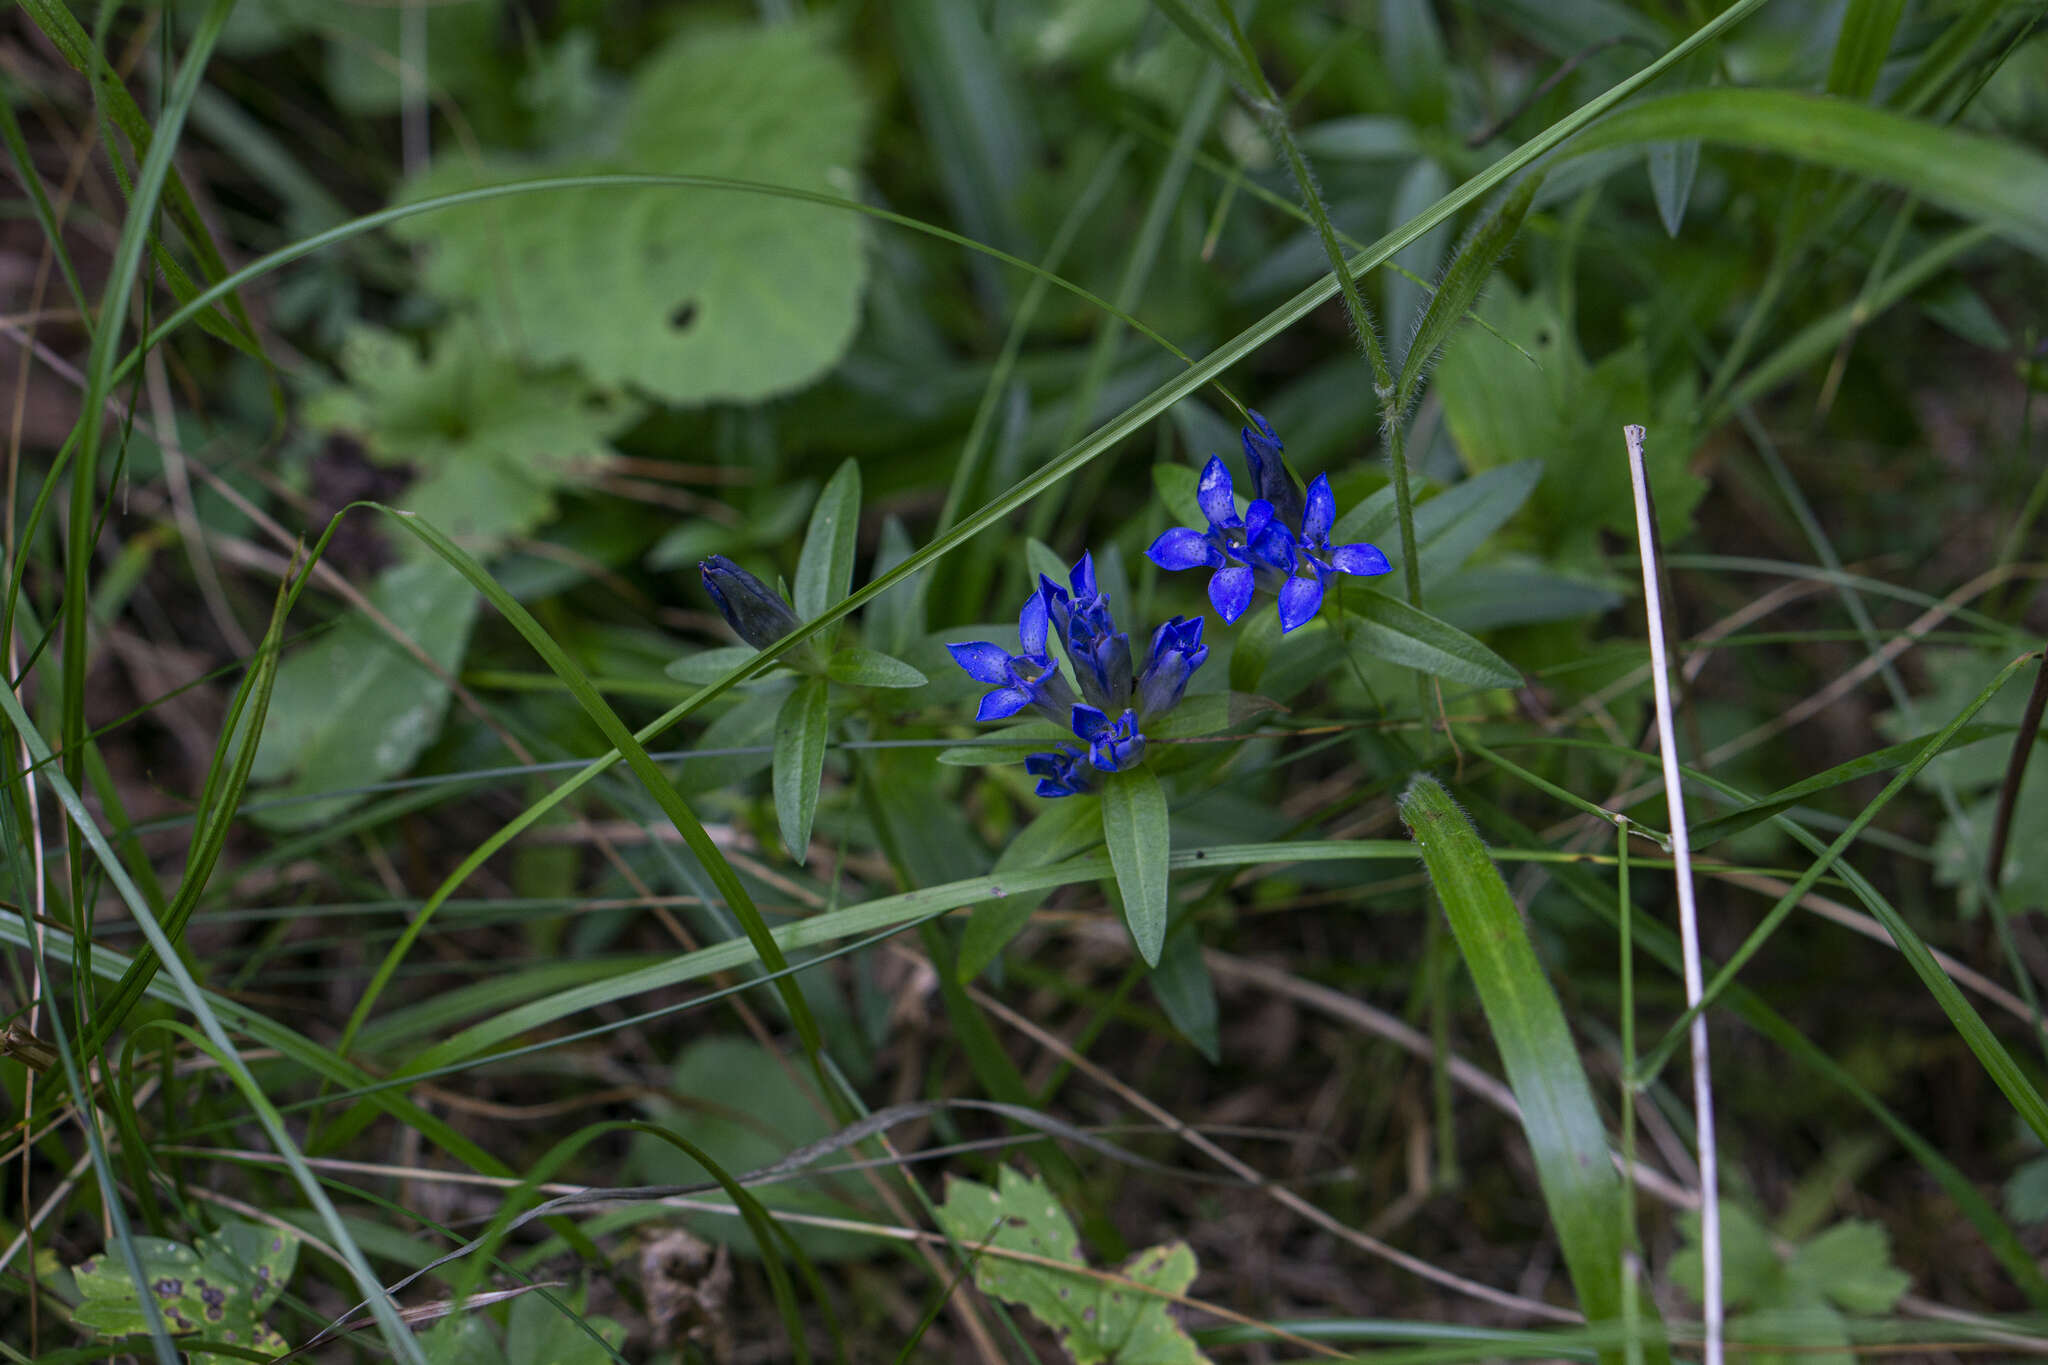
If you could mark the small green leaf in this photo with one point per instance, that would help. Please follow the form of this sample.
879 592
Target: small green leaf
709 665
1387 628
859 667
1469 271
1134 825
800 731
1187 994
1098 1322
1851 1263
824 571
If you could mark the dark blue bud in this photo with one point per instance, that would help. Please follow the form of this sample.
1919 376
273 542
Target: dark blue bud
755 611
1059 774
1177 651
1271 477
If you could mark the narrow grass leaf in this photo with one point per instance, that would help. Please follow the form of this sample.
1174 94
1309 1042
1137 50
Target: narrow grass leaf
800 733
1565 1134
1469 271
1861 45
824 571
1877 761
1134 825
1384 627
1995 181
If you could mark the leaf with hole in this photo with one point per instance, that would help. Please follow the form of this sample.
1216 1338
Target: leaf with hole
693 295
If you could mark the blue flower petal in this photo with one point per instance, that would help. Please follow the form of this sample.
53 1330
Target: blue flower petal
1230 592
1213 493
1002 703
1183 548
1088 721
983 661
1083 576
1361 559
1032 624
1321 513
1300 598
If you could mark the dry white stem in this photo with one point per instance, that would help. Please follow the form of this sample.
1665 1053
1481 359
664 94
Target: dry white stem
1688 912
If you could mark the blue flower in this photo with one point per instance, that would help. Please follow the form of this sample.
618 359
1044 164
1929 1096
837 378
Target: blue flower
755 611
1177 651
1101 653
1101 656
1028 678
1060 773
1113 745
1281 544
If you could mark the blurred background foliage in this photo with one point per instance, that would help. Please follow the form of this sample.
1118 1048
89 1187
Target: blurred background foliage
947 242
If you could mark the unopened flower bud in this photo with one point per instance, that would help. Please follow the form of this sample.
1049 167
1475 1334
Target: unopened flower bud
755 611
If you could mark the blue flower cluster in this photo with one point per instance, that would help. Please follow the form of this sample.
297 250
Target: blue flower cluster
1281 543
1114 699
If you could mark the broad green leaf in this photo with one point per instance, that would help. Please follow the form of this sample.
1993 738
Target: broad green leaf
1134 826
1851 1263
1470 269
1565 1134
695 295
1568 414
541 1333
859 667
801 729
824 571
355 707
1064 828
1515 592
1099 1323
1252 650
491 441
1209 713
1182 985
465 1339
218 1289
1450 525
1384 627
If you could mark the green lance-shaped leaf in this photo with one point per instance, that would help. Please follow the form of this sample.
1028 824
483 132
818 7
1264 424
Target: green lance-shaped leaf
800 731
1182 984
1135 828
1063 829
1564 1130
824 571
1468 274
859 667
1388 628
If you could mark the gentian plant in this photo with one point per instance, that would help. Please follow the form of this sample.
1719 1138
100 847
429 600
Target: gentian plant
1281 544
1106 708
1113 701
